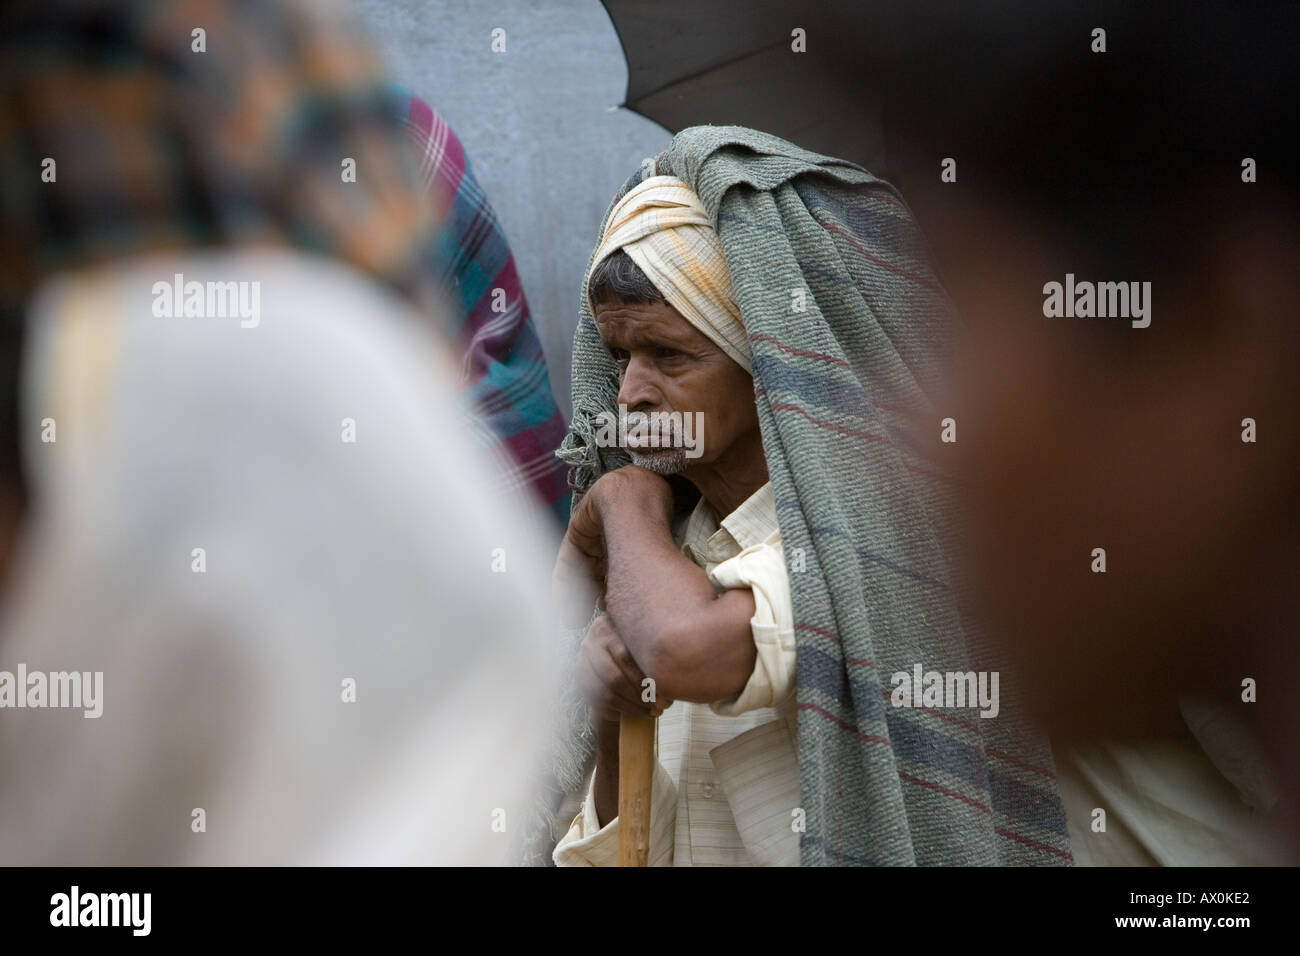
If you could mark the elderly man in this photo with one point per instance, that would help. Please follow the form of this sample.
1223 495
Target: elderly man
712 624
767 584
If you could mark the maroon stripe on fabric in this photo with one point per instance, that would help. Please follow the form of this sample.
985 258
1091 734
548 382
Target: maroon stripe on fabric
974 728
870 738
820 356
1033 843
831 227
930 785
843 429
818 630
823 357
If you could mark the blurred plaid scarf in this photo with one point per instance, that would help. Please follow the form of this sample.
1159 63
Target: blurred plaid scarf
502 363
159 146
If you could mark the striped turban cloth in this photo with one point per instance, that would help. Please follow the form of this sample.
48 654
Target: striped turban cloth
665 230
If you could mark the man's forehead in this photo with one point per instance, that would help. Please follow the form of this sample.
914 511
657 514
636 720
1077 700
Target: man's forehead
635 321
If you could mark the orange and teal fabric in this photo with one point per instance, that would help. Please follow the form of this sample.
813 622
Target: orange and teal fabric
502 363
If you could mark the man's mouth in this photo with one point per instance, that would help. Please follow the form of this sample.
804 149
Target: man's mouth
647 443
655 431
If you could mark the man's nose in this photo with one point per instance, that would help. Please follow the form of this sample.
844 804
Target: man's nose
638 389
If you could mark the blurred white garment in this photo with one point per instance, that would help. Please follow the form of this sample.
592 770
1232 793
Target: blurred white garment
326 561
1208 798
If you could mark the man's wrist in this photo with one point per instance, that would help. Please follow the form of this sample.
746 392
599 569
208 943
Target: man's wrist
635 491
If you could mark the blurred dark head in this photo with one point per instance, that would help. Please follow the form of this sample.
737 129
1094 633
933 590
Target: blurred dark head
1083 433
127 129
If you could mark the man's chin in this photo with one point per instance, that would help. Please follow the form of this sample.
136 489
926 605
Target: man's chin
662 461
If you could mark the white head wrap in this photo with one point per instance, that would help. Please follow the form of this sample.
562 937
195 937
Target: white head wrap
662 225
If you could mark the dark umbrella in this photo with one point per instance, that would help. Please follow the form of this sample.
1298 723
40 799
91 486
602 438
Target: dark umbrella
1013 91
736 64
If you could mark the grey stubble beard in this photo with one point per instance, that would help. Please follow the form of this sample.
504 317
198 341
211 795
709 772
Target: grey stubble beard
663 461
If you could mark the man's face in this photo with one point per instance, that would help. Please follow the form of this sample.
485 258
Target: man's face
667 365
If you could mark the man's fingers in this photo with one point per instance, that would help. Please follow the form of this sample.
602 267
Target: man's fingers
600 689
607 685
622 658
616 680
618 684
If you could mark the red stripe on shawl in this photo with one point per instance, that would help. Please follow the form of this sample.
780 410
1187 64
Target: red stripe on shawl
870 738
937 788
1033 843
831 227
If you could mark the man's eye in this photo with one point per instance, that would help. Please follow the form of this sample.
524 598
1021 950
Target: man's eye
664 351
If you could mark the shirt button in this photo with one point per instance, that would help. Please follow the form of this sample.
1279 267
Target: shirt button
708 791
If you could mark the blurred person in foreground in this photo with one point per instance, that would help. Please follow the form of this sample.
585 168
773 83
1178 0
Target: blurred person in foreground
1163 674
1171 442
241 503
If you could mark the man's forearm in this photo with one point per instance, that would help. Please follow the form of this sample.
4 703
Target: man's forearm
649 585
669 614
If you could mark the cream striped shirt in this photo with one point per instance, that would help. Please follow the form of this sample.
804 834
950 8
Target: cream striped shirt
727 776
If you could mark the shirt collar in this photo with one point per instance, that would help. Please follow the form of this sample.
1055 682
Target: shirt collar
755 520
752 523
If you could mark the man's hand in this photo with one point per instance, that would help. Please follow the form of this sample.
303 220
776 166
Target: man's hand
578 581
610 678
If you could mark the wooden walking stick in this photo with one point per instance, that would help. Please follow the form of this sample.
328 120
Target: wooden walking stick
636 770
